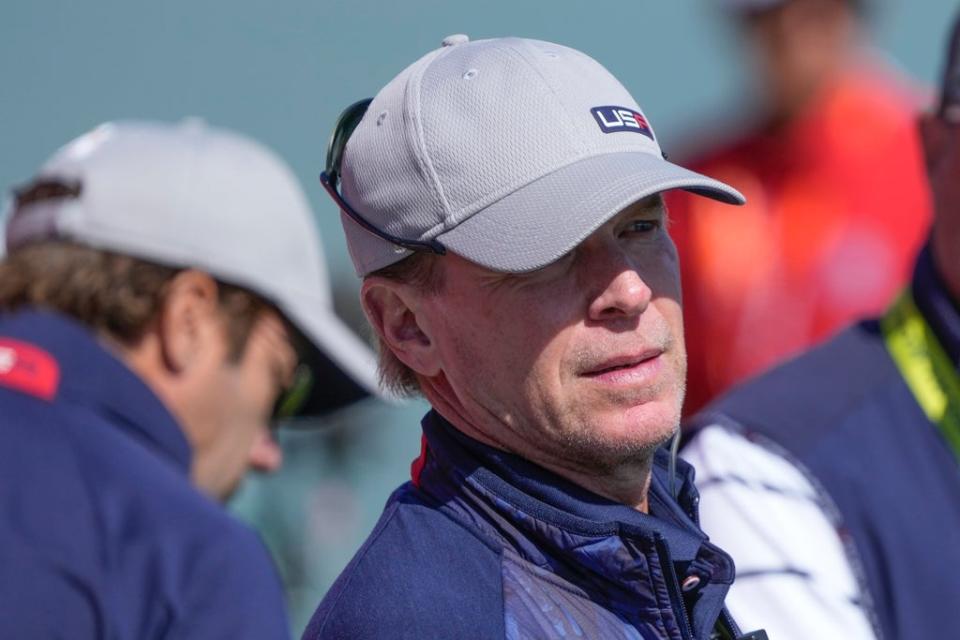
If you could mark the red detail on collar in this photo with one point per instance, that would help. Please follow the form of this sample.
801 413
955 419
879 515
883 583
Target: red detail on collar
416 467
28 368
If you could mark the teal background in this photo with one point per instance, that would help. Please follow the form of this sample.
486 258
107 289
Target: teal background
281 71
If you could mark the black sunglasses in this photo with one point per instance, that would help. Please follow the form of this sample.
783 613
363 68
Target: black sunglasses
292 400
294 397
330 179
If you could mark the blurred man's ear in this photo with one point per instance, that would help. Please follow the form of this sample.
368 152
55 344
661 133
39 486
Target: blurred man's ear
187 319
934 137
395 312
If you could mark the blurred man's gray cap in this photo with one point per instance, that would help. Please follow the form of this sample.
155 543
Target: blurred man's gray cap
190 195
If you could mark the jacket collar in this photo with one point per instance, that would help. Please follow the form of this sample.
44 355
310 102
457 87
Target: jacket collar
558 502
934 302
93 378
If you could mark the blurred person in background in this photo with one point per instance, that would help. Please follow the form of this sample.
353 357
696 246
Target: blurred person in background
162 303
842 465
837 205
501 201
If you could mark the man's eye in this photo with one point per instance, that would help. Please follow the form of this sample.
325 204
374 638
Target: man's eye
643 226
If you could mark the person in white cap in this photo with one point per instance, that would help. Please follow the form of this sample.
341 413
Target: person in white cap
501 201
162 302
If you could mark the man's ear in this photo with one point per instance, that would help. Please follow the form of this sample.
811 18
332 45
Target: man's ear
396 312
187 318
934 137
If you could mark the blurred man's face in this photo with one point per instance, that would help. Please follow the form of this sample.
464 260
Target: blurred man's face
800 45
230 414
580 362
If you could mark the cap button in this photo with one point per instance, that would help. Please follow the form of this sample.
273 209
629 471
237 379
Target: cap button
455 39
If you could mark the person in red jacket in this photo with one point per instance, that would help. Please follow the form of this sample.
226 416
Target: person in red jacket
837 205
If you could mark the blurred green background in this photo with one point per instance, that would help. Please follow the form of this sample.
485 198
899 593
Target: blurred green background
281 71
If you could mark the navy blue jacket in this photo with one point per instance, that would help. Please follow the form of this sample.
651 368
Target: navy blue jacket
844 413
483 544
101 533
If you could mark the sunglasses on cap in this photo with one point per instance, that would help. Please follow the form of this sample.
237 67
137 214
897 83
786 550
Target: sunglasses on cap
330 179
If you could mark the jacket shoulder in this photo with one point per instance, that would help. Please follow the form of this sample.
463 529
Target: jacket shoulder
799 402
420 574
143 546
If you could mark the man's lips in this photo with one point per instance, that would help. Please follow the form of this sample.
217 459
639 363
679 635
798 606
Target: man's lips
623 364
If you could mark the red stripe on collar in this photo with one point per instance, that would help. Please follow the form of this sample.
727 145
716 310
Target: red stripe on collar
416 467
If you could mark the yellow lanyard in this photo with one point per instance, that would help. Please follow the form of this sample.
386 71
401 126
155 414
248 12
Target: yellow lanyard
924 365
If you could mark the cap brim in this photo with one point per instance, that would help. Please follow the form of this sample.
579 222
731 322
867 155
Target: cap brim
540 222
344 367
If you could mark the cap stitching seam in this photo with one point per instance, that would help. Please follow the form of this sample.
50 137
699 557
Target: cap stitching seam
448 223
673 184
580 141
441 228
581 147
420 144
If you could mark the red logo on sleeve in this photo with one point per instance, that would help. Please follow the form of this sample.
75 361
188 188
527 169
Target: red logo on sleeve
28 368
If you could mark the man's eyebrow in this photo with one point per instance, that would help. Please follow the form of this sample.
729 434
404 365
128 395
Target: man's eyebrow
655 201
650 204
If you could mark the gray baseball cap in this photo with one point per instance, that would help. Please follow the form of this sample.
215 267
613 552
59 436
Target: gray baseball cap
190 195
508 152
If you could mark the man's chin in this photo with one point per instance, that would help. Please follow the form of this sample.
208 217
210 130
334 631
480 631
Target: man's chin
655 421
624 436
224 491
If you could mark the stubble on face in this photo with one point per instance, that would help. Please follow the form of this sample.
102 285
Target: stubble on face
516 354
649 416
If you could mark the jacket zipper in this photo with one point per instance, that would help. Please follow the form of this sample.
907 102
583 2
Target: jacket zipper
725 628
673 586
731 623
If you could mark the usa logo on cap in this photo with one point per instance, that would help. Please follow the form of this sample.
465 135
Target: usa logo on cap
613 119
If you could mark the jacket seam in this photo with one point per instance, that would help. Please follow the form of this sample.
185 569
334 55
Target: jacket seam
491 544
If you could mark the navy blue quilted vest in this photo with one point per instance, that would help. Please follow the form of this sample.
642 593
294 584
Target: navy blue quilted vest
844 413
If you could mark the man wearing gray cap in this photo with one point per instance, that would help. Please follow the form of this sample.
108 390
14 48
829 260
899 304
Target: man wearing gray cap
163 300
501 201
843 461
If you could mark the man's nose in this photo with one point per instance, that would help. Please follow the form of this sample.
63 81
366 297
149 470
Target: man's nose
622 291
265 453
